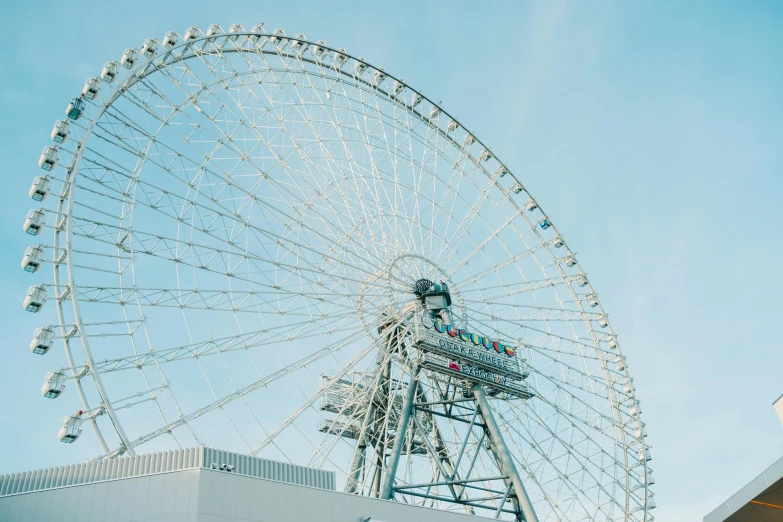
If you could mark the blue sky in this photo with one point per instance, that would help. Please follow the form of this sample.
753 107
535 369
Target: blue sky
652 132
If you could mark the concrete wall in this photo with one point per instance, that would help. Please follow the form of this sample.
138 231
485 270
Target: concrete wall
152 463
162 497
204 495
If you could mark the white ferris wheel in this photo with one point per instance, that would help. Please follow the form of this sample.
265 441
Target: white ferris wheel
266 244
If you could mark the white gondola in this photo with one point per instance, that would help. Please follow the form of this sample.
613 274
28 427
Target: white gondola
603 323
193 33
558 242
40 187
318 49
647 477
569 261
635 409
643 455
71 429
54 384
651 501
340 58
129 58
171 39
397 87
33 258
61 131
379 77
360 66
91 88
75 109
531 205
43 338
517 188
640 432
416 99
276 40
582 281
592 301
35 221
468 141
298 44
501 171
258 28
628 388
619 363
485 155
544 224
434 112
35 299
258 39
49 157
612 344
109 71
234 31
150 47
451 126
213 31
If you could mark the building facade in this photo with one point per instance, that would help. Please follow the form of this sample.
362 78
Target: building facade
194 485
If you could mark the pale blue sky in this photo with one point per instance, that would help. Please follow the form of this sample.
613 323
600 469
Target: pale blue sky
652 132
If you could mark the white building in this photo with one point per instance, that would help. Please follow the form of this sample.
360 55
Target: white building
194 485
761 500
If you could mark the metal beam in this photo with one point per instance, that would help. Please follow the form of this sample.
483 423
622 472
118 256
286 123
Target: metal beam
503 455
469 503
402 429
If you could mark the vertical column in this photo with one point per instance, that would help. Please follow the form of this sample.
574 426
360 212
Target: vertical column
399 438
503 455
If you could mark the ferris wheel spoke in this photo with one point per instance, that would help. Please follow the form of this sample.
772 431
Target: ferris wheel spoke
375 130
566 447
570 389
155 197
520 288
465 225
281 160
225 178
198 349
360 147
307 404
535 313
558 344
208 257
479 248
237 301
272 237
493 269
455 197
260 383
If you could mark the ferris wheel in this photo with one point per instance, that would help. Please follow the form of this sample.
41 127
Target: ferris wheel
267 244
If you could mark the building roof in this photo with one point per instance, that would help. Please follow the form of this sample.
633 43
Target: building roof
163 462
759 501
203 494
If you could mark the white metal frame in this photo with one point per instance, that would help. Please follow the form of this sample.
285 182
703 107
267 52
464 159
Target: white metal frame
387 151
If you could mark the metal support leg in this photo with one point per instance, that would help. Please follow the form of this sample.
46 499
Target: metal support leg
440 447
504 456
357 463
399 439
381 379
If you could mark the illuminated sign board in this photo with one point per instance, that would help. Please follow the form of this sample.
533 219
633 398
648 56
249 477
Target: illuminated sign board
492 380
471 349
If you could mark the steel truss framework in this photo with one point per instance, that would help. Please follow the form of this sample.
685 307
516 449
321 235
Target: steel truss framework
238 222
